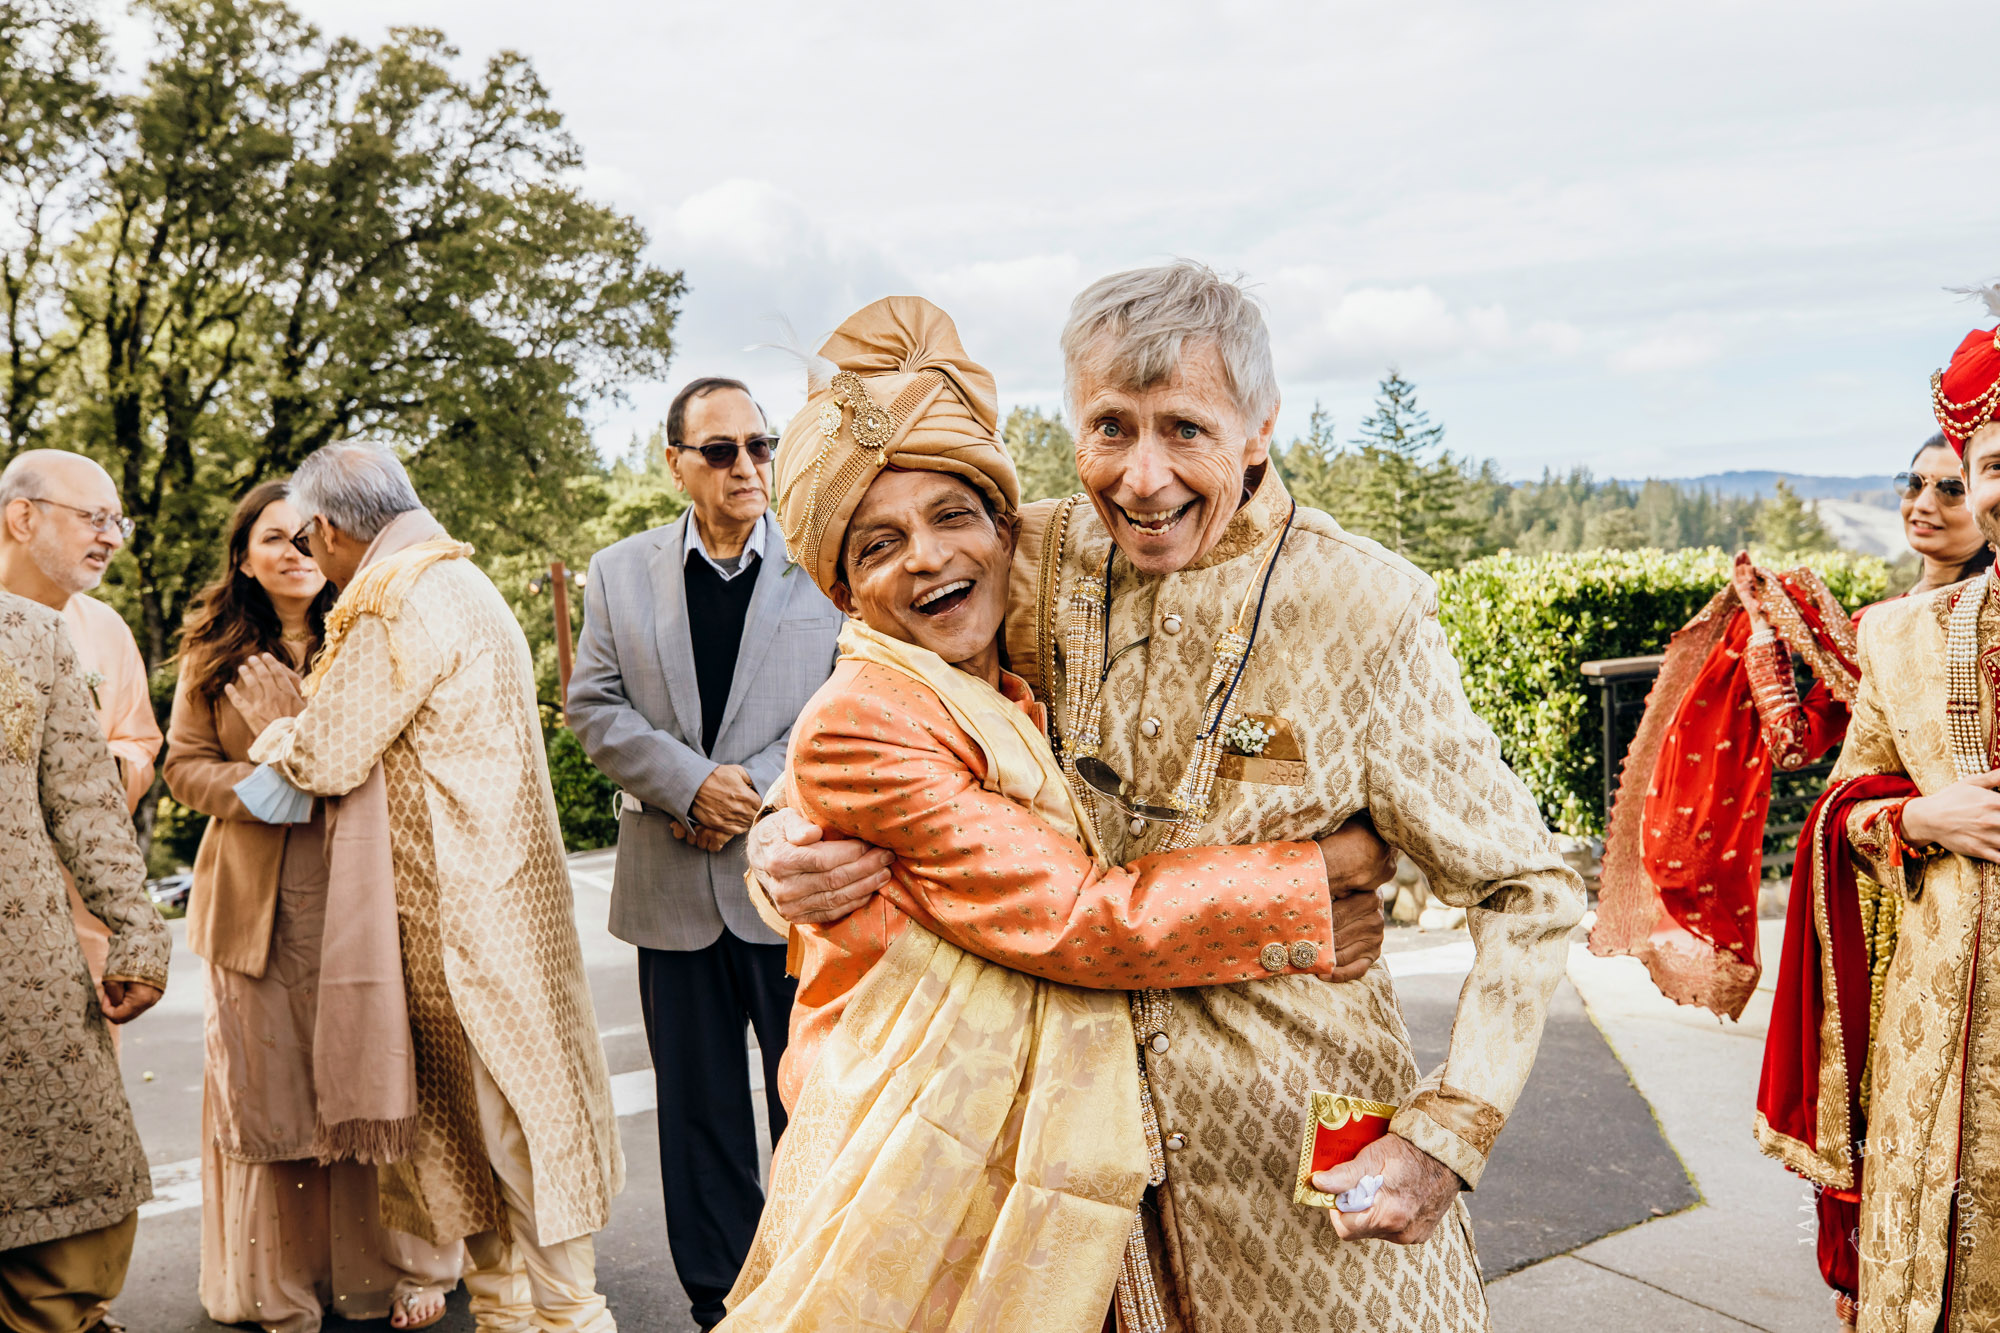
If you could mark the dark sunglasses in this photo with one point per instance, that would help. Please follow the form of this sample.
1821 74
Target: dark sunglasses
1950 490
301 540
722 454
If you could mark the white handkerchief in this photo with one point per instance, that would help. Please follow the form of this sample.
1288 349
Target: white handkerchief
274 800
1361 1197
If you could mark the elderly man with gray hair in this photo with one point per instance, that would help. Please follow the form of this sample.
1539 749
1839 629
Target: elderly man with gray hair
1223 666
467 1057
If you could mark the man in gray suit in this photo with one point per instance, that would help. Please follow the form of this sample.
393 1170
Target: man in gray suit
700 647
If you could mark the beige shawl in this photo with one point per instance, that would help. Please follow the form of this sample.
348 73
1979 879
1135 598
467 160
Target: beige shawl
967 1151
364 1063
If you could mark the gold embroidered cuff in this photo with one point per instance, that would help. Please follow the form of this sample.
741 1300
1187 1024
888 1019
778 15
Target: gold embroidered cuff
1455 1127
1879 851
131 976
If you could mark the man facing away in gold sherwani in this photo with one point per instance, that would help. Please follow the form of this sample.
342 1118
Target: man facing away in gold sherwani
1257 674
1924 825
420 717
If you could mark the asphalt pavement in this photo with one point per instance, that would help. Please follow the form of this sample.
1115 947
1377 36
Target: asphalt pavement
1582 1158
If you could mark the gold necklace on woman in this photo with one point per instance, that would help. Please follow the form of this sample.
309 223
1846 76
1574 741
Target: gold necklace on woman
1186 810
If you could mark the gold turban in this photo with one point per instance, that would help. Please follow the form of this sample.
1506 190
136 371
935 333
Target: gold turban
892 388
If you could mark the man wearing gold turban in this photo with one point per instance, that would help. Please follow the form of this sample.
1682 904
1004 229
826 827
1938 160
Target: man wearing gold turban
918 1025
1223 667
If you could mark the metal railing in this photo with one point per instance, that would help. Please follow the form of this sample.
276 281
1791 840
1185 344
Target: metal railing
1622 685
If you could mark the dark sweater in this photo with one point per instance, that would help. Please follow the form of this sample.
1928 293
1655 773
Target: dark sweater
716 608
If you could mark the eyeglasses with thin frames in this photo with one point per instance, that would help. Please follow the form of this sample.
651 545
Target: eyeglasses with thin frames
1950 490
101 520
302 540
722 453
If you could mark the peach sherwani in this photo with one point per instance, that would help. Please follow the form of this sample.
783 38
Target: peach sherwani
877 756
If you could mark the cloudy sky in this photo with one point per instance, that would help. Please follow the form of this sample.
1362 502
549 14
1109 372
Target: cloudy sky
1650 238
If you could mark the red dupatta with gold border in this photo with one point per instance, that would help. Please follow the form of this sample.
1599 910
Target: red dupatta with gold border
1683 848
1809 1112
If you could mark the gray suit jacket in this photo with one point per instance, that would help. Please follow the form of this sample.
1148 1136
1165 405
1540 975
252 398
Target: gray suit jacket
636 707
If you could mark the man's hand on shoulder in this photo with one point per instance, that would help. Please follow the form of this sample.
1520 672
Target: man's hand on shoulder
1417 1190
811 878
1357 863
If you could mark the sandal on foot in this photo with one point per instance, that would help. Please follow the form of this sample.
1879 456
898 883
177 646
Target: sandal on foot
407 1304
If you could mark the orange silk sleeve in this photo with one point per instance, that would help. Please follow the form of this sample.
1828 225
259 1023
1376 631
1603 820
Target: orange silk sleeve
879 758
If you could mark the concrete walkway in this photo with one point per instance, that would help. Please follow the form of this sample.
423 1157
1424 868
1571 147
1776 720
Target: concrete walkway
1740 1259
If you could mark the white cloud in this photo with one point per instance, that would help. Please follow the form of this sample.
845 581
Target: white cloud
1360 330
750 221
1665 353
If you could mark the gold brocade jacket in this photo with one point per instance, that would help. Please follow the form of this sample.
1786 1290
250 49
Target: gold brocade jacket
1933 1133
1360 694
70 1159
443 695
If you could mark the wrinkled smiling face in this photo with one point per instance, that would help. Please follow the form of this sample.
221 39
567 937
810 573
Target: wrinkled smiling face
925 563
1164 464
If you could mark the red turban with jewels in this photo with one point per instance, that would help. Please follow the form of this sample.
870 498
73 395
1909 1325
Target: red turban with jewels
1966 393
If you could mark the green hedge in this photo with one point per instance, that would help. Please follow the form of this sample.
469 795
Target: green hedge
585 798
1522 625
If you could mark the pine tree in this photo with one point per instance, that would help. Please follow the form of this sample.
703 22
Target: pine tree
1043 452
1312 465
1788 524
1411 494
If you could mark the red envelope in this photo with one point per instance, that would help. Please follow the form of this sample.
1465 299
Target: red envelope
1337 1129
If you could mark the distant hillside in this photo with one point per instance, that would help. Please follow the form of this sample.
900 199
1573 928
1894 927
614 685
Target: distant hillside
1867 528
1863 490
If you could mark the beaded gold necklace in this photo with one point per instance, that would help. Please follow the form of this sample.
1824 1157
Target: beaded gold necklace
1969 753
1084 634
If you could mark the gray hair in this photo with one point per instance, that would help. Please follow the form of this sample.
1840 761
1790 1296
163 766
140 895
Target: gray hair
1134 327
356 486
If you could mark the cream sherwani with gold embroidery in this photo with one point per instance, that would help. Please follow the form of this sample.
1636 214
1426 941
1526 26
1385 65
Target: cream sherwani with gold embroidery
1351 670
1934 1109
443 695
70 1160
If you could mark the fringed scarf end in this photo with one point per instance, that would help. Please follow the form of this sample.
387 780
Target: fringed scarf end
376 1142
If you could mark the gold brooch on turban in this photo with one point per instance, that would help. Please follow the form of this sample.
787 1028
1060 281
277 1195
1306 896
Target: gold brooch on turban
891 388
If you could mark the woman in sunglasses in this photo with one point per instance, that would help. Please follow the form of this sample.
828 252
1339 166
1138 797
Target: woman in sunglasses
1936 521
284 1232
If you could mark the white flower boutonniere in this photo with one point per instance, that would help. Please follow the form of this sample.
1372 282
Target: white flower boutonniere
1246 736
93 679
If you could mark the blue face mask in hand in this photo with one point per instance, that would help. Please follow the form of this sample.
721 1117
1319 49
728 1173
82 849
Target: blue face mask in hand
273 800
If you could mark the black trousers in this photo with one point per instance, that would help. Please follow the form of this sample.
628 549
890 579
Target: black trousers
696 1005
